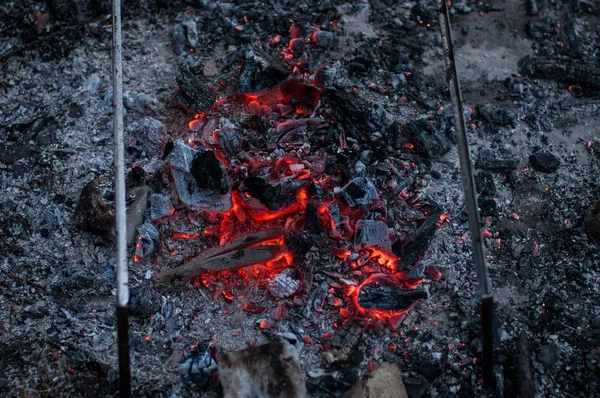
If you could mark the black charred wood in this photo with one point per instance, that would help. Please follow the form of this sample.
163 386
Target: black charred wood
388 297
353 113
208 172
260 71
193 91
587 75
488 160
416 244
427 140
274 197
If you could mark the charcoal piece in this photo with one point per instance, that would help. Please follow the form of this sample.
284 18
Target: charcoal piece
360 192
274 197
152 134
371 233
93 213
487 206
484 182
193 92
299 244
196 189
144 302
426 139
284 284
137 203
297 47
323 39
586 75
591 224
179 40
160 206
260 71
191 29
353 113
311 218
200 367
208 172
502 116
544 162
417 243
389 297
147 241
341 224
488 160
228 140
304 97
360 64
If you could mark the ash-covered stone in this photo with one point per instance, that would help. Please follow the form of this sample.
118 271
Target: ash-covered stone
143 302
148 238
488 160
371 233
389 297
160 206
200 188
544 161
193 91
259 72
284 284
360 192
427 140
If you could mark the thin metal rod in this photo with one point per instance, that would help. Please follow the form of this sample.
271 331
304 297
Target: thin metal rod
122 272
475 226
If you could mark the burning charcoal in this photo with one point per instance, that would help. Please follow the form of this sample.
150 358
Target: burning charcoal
260 72
228 140
160 206
200 178
485 183
193 92
284 284
544 162
311 218
299 244
487 160
297 47
323 39
146 242
270 370
304 97
360 192
200 367
144 302
274 197
416 244
371 233
388 297
426 139
341 224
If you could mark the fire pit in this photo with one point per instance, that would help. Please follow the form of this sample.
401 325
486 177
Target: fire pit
294 198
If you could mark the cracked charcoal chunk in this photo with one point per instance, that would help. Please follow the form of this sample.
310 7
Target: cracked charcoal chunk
160 206
426 139
144 302
152 134
259 72
502 116
196 189
488 160
274 197
388 297
193 92
544 162
324 39
416 244
360 192
485 183
93 213
353 113
284 284
371 233
487 206
148 238
208 173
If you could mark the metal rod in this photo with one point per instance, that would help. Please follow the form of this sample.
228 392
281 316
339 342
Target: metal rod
475 226
122 272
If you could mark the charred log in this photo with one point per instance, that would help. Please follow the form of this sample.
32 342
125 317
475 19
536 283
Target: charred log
389 297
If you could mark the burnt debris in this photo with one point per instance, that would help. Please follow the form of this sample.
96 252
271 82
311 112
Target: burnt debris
259 71
380 296
193 91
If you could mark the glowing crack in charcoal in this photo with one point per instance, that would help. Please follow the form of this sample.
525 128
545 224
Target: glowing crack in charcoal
261 185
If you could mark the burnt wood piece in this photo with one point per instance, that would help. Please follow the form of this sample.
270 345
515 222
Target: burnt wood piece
260 71
526 386
416 244
234 254
193 92
427 140
352 112
488 160
388 297
587 75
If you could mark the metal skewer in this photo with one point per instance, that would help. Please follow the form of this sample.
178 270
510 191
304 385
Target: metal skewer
485 287
122 271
